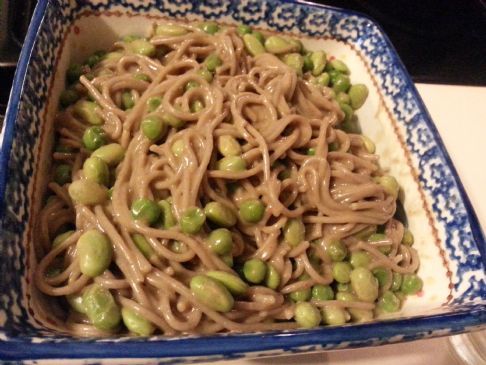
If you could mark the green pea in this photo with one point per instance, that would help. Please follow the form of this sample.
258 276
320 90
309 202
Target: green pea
364 284
389 302
205 74
153 128
334 316
342 98
344 288
254 270
307 315
101 308
318 59
191 85
311 151
411 284
272 277
227 259
146 211
153 103
294 232
136 323
341 272
232 164
341 83
196 106
87 192
368 144
278 45
192 220
168 219
76 302
259 36
212 62
228 146
253 45
389 184
336 250
172 120
357 95
233 283
87 111
294 61
211 293
170 30
209 27
112 153
220 241
178 247
251 211
74 72
396 281
61 238
93 138
220 214
177 148
360 259
348 112
68 97
407 238
339 66
128 101
142 47
62 174
142 77
142 244
322 292
96 169
94 251
323 79
243 29
382 275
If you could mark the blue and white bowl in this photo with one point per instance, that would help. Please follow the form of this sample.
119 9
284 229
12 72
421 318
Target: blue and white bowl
449 239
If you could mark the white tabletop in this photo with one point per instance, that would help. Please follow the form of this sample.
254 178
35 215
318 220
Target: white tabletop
460 116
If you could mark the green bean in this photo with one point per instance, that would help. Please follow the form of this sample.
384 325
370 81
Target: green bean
61 238
259 36
322 292
142 244
251 211
360 259
278 45
294 232
396 281
323 79
233 283
228 146
196 106
220 241
334 316
341 83
62 174
295 61
88 112
101 308
341 271
339 66
253 45
382 275
357 95
411 284
212 62
128 101
368 144
178 247
336 250
364 284
343 98
153 103
68 97
232 164
211 293
307 315
220 214
205 74
243 29
301 295
348 112
73 73
153 128
142 77
209 27
136 323
254 270
170 30
191 85
94 138
87 192
318 62
407 238
95 252
389 184
146 211
96 169
112 153
272 277
168 219
192 220
388 302
76 302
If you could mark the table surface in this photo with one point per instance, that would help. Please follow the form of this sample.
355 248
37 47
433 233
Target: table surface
459 112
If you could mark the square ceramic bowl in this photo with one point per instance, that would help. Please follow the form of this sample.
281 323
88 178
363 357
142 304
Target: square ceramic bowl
449 239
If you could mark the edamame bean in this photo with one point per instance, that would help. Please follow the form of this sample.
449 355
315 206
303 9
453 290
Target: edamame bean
94 252
112 153
307 315
382 275
209 27
339 66
205 74
168 218
130 38
259 36
192 220
73 73
323 79
243 29
142 244
191 85
318 62
227 259
76 302
272 277
146 211
344 288
411 284
407 238
308 65
368 144
142 77
295 61
396 281
128 101
301 295
298 46
62 174
153 103
170 30
294 232
254 270
364 284
341 83
177 148
220 214
228 146
88 112
278 45
68 97
360 315
220 241
251 211
311 151
178 247
196 106
322 292
232 164
343 98
233 283
389 302
253 45
153 128
101 308
348 114
389 184
346 296
96 169
341 272
172 120
377 237
336 250
136 323
87 192
360 259
357 95
94 138
113 56
61 238
211 293
334 316
212 62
